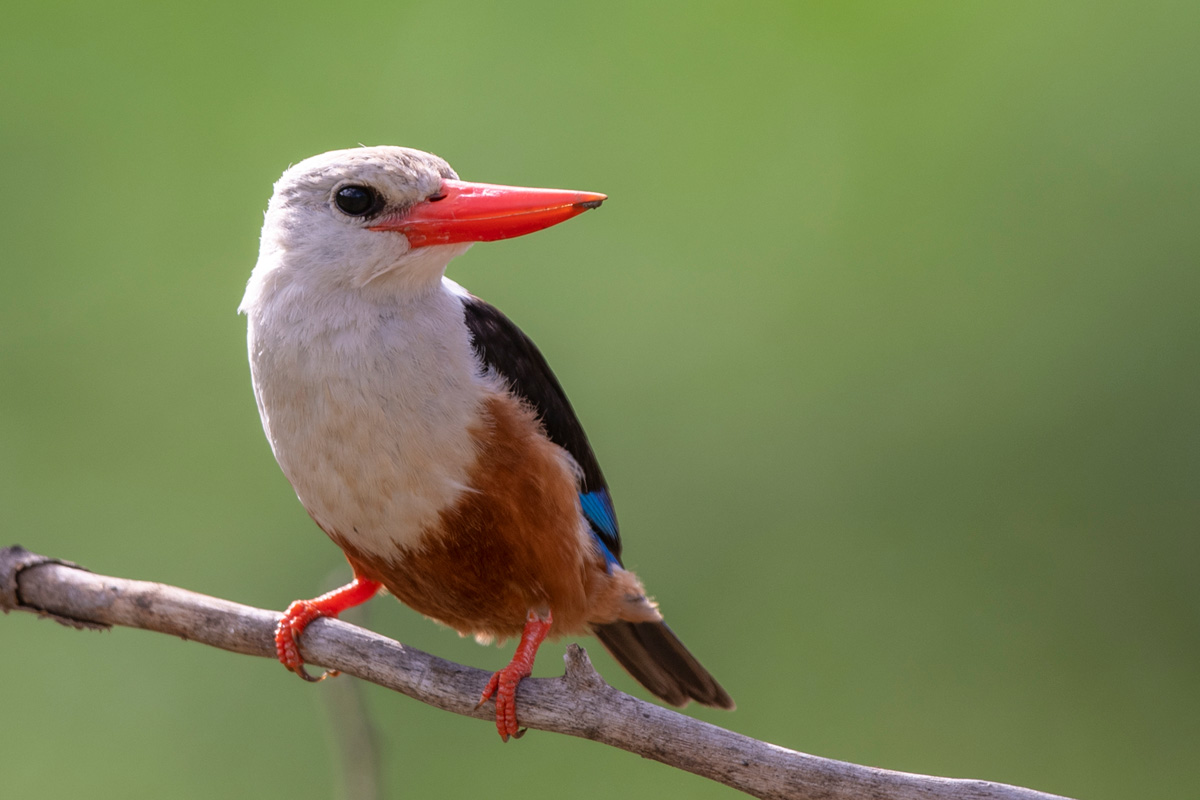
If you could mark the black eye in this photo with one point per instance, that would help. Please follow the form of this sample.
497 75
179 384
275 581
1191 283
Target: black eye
357 201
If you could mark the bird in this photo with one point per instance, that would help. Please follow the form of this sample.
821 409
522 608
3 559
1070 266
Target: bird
426 434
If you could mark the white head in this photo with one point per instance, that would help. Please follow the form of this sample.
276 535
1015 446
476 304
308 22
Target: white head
386 221
317 231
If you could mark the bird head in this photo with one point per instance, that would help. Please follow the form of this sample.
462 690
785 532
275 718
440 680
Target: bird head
389 218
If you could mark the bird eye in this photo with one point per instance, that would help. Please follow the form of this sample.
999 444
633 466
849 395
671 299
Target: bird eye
357 201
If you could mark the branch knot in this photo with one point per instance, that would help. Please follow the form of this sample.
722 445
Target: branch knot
15 560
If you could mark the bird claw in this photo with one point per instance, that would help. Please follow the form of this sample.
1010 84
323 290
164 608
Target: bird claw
289 655
308 676
503 685
293 623
488 690
300 613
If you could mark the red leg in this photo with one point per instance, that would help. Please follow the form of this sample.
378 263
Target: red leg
504 683
302 612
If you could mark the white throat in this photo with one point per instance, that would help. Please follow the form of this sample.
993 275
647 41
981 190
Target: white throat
367 396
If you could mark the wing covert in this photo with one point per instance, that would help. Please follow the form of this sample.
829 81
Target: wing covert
502 346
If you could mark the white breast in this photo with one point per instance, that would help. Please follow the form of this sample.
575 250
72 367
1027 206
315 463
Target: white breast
368 403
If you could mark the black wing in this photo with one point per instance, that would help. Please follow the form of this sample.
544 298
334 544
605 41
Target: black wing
502 346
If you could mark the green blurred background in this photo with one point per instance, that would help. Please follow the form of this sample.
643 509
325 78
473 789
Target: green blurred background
888 340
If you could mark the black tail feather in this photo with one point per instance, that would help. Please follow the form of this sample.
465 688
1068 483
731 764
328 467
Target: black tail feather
659 661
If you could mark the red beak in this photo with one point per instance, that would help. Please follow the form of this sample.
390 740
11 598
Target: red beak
485 212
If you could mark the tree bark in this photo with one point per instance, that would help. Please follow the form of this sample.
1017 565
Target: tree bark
579 703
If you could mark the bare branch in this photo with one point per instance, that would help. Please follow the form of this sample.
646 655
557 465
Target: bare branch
578 704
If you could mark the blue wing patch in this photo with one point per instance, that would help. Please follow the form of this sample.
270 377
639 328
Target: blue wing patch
598 508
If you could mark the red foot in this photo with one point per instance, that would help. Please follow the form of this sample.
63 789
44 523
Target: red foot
504 683
302 612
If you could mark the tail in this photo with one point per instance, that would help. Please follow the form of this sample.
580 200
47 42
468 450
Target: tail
659 661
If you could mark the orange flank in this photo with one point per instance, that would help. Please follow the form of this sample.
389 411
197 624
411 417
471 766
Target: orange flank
516 544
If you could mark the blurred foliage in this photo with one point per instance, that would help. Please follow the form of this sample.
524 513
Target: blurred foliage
888 340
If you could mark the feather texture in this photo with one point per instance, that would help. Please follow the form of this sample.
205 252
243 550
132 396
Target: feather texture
505 349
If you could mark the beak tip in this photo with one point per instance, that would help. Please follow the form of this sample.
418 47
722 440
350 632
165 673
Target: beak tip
588 204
